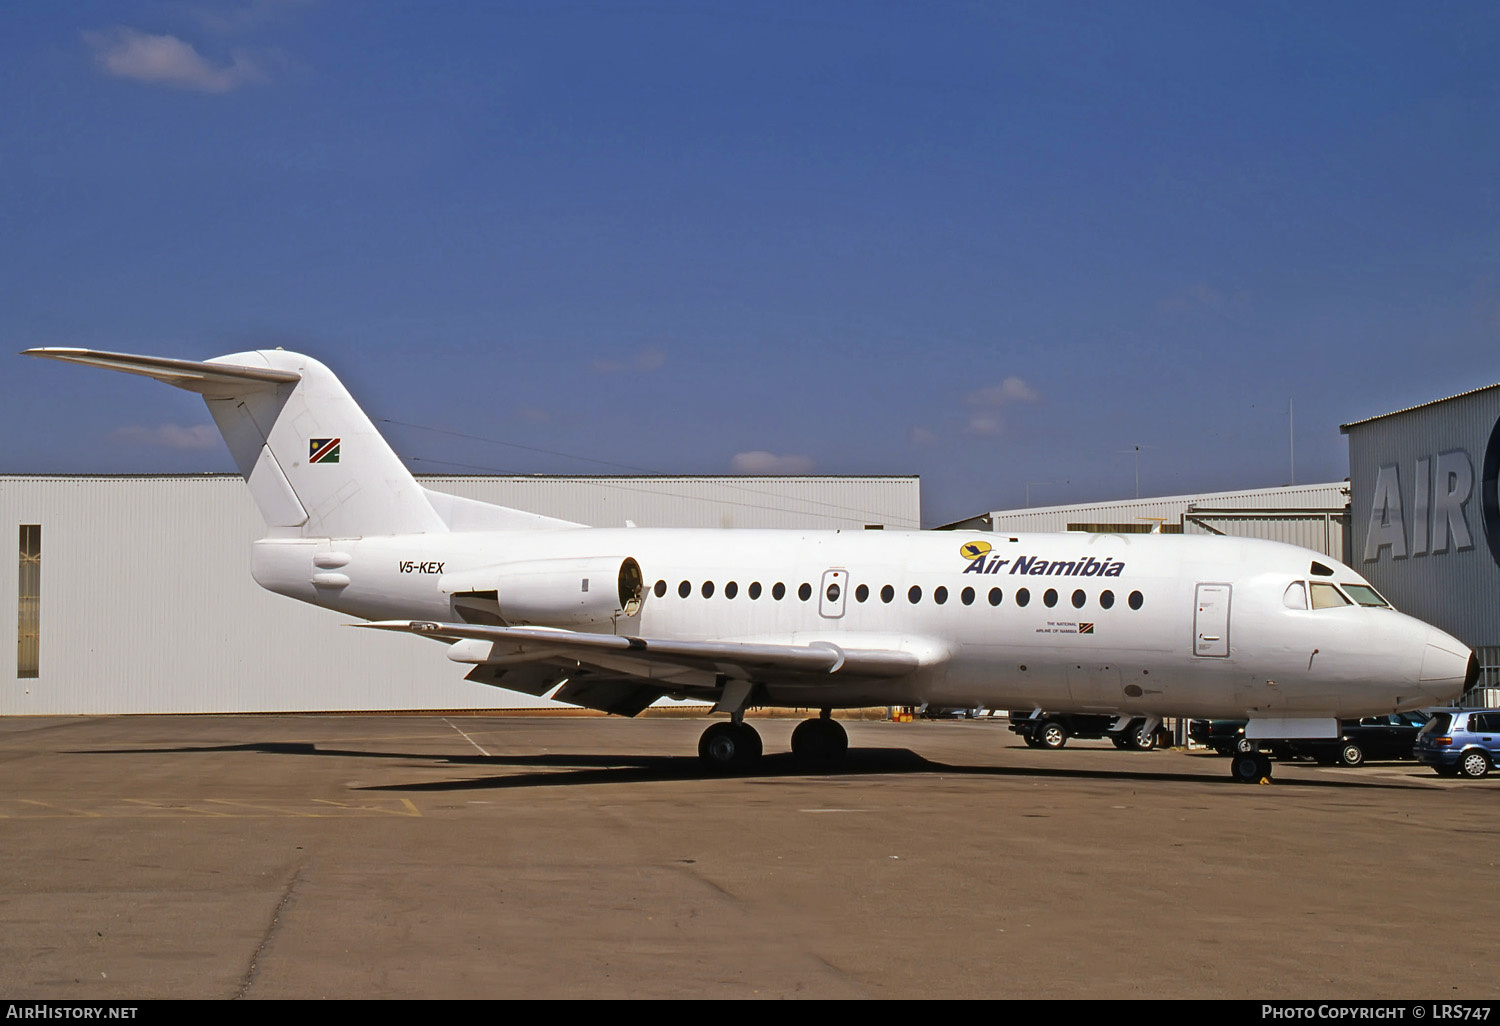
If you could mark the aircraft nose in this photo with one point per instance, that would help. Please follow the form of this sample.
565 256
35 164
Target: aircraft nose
1449 667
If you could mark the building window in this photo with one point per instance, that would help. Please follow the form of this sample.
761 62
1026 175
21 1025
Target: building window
29 606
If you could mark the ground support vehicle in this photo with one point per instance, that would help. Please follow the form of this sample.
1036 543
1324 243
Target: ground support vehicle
1373 737
1460 741
1224 736
1053 730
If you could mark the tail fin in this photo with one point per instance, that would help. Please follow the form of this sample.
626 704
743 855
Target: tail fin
315 464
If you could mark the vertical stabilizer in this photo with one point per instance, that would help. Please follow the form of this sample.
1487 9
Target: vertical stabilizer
316 465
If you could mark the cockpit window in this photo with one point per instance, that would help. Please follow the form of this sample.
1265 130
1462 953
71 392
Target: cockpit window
1326 596
1319 570
1366 595
1296 595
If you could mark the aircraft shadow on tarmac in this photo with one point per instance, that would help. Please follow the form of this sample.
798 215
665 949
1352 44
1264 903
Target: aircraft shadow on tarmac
551 769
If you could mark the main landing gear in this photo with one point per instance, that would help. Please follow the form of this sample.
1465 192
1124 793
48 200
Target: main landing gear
735 746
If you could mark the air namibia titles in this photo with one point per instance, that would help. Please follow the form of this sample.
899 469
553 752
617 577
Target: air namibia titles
1036 567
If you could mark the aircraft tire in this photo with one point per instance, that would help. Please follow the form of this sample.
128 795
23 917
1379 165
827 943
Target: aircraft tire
754 747
1052 734
1249 767
1351 755
1244 744
728 747
819 741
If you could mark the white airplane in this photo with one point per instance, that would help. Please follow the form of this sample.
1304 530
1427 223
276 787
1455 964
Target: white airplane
1138 626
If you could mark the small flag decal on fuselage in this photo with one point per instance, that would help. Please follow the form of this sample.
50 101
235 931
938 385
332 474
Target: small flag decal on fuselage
1085 628
323 450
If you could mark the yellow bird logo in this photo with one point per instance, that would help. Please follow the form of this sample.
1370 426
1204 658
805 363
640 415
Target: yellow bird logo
974 550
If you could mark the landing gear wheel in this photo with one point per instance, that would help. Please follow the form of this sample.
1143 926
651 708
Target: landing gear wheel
1474 764
1250 767
819 741
1244 744
1352 755
1052 734
729 747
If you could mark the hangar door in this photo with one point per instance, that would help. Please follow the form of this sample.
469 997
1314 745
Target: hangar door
1211 621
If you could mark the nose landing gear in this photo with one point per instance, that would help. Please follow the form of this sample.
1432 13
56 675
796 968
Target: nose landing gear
1250 767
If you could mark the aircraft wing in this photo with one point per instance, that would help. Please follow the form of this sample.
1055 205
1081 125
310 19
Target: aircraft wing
674 663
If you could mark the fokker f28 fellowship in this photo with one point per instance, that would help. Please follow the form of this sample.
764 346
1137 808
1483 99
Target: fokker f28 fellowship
1139 626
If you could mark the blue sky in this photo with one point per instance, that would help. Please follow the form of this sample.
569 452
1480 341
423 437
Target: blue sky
992 244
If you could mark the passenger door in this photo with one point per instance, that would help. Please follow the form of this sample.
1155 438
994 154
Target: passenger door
1211 621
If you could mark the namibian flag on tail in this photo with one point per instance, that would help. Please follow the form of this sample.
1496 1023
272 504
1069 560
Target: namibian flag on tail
323 450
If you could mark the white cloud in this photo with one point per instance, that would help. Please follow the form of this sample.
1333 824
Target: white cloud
985 424
167 61
760 462
1011 390
988 403
169 436
647 359
923 435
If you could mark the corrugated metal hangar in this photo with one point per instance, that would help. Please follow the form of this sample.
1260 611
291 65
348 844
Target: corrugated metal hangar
1314 516
134 594
1425 516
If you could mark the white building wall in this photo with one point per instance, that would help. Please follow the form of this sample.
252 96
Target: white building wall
147 604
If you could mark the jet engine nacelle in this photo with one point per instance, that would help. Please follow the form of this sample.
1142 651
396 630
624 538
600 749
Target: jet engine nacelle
553 592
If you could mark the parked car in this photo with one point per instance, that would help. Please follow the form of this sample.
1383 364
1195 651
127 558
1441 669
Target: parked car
1458 741
1224 736
1373 737
1052 730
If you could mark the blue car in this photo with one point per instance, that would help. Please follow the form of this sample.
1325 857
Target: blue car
1458 741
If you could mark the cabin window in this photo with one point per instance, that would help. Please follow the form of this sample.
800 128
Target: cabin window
1049 597
778 591
1079 598
684 589
1326 596
1106 599
967 596
755 589
887 593
833 593
1295 596
731 590
1136 600
996 596
914 595
1023 596
940 595
29 604
708 589
804 592
660 589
